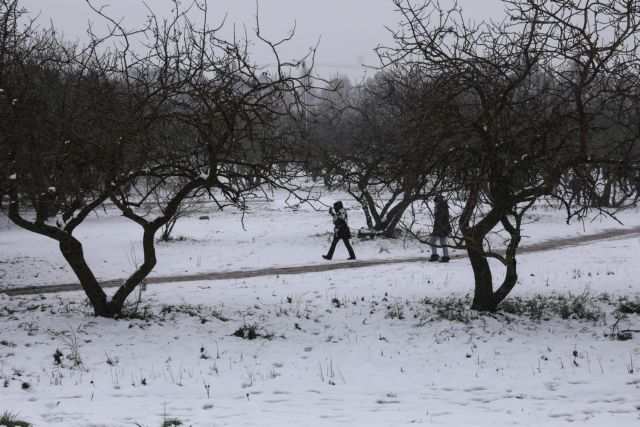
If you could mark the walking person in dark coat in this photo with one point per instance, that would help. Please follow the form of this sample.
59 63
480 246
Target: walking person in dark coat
341 230
441 229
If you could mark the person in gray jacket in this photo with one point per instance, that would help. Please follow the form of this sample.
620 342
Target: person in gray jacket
441 229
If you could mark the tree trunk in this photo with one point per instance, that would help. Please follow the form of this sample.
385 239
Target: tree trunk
72 251
510 280
483 298
511 275
394 216
367 215
141 273
605 198
165 235
385 221
362 199
327 179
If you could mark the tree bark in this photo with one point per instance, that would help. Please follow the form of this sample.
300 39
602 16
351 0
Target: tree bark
483 298
511 275
139 275
393 217
72 251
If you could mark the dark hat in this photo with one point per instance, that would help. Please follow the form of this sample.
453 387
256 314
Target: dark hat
337 206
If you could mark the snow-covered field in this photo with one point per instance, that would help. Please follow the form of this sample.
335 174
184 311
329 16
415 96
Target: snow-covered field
377 346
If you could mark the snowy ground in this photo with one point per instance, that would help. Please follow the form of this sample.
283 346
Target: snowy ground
378 346
274 235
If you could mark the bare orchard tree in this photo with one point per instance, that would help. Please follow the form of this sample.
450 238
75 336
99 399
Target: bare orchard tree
59 136
381 147
188 107
208 116
532 100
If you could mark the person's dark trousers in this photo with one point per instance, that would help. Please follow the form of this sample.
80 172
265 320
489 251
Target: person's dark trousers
333 247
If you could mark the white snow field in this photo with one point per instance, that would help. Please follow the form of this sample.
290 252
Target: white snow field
377 346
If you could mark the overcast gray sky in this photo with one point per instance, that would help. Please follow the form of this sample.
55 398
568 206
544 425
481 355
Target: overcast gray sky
348 30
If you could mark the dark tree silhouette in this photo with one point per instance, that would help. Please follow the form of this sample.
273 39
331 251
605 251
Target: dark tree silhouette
115 121
532 98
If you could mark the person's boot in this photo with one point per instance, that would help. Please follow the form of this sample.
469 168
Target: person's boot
352 257
444 259
326 257
434 258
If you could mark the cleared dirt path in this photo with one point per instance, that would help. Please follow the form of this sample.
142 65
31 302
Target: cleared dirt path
329 266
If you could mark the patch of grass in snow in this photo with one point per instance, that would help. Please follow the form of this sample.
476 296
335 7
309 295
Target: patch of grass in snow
171 422
251 332
72 345
9 419
455 309
70 308
545 307
617 332
627 306
292 305
395 311
584 306
172 239
131 308
57 357
166 422
204 313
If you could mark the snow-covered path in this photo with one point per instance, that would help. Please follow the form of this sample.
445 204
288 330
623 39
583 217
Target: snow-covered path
277 271
273 237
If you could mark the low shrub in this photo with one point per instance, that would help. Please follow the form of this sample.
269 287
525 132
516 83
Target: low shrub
583 307
10 419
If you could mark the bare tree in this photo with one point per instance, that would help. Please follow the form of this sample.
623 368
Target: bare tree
380 147
531 99
188 107
57 135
